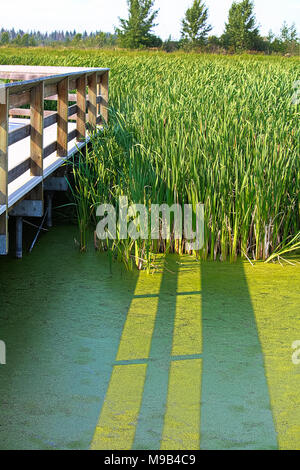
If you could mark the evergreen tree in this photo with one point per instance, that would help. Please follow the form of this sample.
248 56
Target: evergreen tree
136 31
194 25
5 39
241 32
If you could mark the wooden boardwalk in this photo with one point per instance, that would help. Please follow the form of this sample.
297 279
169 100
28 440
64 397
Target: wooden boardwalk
35 142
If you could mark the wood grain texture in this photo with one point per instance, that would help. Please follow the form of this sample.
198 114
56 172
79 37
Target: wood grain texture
104 96
92 105
62 117
4 149
81 107
4 172
36 130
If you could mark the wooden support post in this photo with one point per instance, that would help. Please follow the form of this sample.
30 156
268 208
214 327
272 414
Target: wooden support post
81 108
49 208
105 96
19 237
92 109
3 234
4 105
62 118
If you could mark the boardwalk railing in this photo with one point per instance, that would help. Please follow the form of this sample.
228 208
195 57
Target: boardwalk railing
35 142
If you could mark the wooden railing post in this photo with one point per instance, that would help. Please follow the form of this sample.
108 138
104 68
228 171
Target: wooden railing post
92 108
35 199
98 94
81 108
105 96
37 130
4 169
62 117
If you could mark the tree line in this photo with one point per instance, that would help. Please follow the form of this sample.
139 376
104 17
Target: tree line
66 38
136 32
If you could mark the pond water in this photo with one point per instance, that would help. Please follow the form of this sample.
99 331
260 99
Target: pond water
211 344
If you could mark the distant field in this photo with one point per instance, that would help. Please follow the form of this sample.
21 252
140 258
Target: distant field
215 129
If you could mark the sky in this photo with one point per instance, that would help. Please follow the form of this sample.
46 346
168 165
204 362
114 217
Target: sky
92 15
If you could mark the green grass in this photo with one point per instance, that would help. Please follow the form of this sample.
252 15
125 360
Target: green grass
220 130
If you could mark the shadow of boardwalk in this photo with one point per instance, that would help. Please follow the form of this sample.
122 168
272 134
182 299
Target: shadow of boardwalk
235 404
151 419
153 398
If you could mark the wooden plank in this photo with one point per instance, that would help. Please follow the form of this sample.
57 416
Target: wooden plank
72 83
19 99
20 77
62 118
46 69
19 112
50 90
4 103
71 97
92 105
81 108
104 96
27 112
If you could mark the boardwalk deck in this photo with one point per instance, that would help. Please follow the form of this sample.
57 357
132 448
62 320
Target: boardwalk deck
35 142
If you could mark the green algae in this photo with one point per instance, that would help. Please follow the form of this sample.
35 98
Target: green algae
62 315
